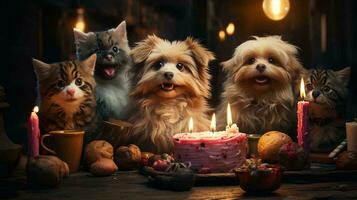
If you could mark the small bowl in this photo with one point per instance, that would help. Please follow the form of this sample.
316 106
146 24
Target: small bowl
263 181
116 132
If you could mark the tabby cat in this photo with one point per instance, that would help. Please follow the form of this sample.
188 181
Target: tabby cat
327 92
66 94
113 61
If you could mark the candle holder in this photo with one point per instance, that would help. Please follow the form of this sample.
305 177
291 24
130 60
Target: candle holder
253 144
9 152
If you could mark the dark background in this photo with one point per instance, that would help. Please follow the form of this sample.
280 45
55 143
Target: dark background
43 30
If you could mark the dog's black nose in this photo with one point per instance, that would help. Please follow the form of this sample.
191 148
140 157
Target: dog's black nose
261 67
316 94
169 75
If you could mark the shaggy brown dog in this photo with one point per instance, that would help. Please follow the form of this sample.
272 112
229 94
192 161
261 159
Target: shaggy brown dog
170 85
261 77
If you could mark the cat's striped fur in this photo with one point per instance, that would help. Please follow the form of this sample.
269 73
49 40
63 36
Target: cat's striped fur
66 94
327 92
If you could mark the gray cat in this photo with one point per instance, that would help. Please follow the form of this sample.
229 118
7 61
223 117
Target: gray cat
113 62
327 92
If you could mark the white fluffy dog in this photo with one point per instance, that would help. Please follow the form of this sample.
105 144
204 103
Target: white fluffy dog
261 77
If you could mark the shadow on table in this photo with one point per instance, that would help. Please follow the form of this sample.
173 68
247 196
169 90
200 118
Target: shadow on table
272 194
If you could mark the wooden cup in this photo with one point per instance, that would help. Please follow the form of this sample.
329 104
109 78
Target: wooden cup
351 133
67 145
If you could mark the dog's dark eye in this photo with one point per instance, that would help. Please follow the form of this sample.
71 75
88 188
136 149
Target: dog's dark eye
326 89
79 82
180 66
116 49
271 60
60 84
159 64
309 86
250 61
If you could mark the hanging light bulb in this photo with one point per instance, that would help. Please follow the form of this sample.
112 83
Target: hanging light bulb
276 9
221 35
80 24
230 28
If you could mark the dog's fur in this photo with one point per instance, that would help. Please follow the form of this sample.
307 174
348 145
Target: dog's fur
161 111
261 100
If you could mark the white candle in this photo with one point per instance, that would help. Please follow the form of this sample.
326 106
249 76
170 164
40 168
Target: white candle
190 125
229 116
213 123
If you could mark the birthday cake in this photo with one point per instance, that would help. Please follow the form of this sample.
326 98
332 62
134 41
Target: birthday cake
219 151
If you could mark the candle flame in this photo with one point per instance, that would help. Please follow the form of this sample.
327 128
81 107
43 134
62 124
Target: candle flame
302 89
213 123
36 109
229 115
190 125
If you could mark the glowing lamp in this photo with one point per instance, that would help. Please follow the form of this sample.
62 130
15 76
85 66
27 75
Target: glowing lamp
80 24
230 28
221 35
276 9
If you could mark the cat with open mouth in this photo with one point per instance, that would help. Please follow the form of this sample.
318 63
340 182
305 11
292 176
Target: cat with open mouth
113 61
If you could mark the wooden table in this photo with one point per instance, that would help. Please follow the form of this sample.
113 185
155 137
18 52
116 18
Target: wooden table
131 185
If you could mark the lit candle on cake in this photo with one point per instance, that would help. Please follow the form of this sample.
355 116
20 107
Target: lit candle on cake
303 123
213 123
214 151
190 125
229 116
33 133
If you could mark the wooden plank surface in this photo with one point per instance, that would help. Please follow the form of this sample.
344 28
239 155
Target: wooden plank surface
321 158
314 175
131 185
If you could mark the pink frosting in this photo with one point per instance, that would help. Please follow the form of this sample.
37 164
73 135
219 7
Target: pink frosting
219 151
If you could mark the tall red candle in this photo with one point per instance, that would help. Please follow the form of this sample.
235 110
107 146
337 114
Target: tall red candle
33 134
303 119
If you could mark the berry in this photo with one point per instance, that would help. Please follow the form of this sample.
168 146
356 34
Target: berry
160 165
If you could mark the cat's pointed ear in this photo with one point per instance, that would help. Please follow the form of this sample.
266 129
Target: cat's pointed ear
80 36
120 31
344 74
89 63
143 49
42 69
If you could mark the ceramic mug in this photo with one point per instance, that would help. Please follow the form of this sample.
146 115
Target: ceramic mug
67 145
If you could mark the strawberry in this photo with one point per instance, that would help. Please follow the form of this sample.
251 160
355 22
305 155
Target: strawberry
160 165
